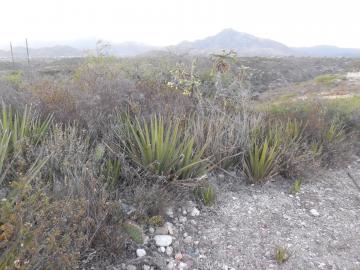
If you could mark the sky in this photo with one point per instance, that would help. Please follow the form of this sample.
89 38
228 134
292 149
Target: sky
167 22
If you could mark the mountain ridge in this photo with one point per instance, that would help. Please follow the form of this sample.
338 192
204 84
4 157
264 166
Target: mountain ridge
228 39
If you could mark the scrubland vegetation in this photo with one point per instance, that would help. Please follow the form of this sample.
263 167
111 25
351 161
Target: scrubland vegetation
76 148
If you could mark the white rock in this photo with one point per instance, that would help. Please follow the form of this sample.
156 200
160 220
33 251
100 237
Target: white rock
183 266
140 252
169 212
170 265
195 212
184 212
131 267
162 249
146 267
163 240
314 213
151 230
169 251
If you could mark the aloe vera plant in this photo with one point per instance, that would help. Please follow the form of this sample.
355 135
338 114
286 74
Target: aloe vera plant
162 149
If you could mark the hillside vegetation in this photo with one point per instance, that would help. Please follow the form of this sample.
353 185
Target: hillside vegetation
95 150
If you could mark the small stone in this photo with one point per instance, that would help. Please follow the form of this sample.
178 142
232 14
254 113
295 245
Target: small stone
185 234
162 249
163 240
131 267
146 267
182 219
314 213
188 240
195 212
170 265
140 252
169 251
183 266
169 212
151 230
184 212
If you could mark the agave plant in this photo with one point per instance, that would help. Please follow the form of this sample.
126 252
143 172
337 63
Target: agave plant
161 148
261 160
23 127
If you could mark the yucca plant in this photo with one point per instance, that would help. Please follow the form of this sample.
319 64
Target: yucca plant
24 127
260 162
4 145
162 148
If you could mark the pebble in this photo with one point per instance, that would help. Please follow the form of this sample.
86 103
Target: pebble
183 266
169 251
140 252
146 267
182 219
163 240
131 267
151 230
195 212
162 249
170 265
169 212
314 213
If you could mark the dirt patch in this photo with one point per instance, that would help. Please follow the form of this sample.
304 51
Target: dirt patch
246 225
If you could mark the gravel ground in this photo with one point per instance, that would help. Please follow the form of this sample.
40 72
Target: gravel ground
247 223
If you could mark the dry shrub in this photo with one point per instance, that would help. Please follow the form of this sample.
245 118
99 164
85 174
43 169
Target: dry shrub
53 98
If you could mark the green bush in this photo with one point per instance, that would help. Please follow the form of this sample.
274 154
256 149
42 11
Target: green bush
260 161
161 148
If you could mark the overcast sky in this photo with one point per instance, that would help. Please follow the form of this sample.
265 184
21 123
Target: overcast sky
166 22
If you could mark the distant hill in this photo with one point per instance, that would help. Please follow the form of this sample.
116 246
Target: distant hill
228 39
45 52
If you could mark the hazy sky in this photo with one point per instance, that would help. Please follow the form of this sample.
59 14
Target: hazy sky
165 22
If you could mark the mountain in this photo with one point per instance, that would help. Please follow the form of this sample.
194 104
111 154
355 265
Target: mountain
229 39
249 45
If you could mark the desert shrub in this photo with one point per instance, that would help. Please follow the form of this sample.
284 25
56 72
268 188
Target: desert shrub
160 147
328 79
43 232
226 135
15 79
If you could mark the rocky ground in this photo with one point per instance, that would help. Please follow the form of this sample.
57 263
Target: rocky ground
319 227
